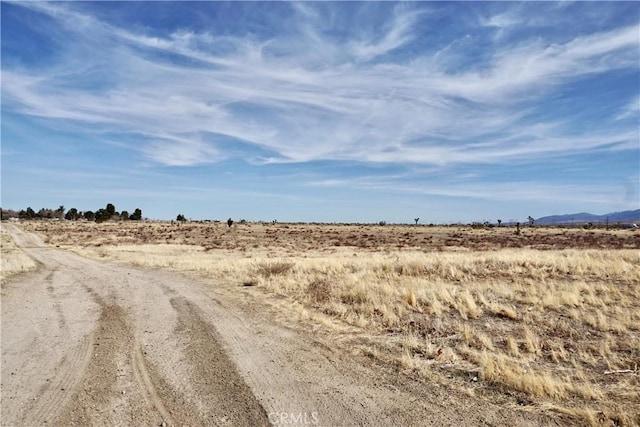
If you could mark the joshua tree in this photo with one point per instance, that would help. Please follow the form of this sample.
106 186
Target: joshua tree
531 221
229 222
517 228
499 222
416 220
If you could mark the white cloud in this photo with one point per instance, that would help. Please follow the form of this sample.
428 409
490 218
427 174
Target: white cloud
520 191
631 110
502 20
182 151
326 103
400 32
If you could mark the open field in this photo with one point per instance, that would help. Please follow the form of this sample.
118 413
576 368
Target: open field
548 320
90 342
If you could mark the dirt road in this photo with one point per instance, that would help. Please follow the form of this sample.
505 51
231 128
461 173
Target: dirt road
86 343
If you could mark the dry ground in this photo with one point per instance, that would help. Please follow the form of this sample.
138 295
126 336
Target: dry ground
547 320
88 342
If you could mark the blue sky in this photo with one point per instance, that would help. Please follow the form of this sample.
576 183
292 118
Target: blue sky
345 112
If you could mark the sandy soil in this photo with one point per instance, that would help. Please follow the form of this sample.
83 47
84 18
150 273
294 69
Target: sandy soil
85 342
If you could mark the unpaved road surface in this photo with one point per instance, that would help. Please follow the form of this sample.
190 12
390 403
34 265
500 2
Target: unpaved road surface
87 343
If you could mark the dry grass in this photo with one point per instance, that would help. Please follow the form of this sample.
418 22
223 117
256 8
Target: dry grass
12 259
544 319
277 268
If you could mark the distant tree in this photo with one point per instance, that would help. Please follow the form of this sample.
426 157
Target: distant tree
531 221
416 220
111 209
102 215
31 214
60 212
89 215
136 215
499 222
124 215
45 214
382 223
181 218
8 214
72 214
229 222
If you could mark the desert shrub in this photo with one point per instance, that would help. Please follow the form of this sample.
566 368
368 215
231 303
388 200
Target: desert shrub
320 290
412 269
276 268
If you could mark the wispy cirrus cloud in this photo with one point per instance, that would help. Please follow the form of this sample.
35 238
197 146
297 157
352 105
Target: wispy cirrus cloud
630 110
303 111
506 192
399 32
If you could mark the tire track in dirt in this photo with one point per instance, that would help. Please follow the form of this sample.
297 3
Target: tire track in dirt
62 323
59 392
215 376
55 389
54 395
93 393
144 378
115 387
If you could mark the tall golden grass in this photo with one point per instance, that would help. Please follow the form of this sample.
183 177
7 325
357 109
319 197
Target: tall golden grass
12 259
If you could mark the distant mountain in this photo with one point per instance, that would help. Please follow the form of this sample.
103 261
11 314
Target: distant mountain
626 217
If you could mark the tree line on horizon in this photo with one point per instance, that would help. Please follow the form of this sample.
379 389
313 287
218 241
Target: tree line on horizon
107 213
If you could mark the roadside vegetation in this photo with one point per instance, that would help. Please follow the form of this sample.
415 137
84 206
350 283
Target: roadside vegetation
12 259
545 318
